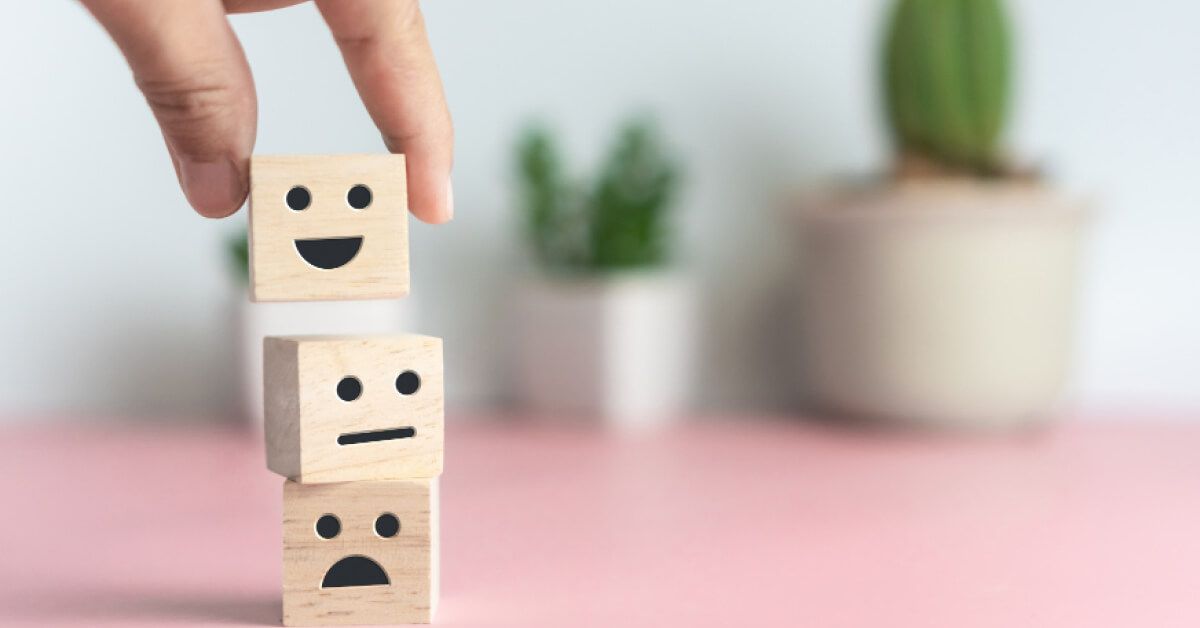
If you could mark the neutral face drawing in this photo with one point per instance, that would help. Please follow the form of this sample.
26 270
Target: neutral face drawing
354 408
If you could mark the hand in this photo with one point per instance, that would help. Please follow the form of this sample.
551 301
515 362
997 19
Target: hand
190 66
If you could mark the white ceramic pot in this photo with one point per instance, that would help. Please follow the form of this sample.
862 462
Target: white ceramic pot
256 320
618 349
944 304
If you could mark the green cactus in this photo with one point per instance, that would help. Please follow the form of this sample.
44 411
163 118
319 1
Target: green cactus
946 76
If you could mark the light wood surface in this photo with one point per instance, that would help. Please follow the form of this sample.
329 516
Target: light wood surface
379 269
410 558
305 417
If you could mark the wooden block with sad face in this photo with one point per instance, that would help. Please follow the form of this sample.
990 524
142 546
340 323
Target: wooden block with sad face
328 227
360 552
344 408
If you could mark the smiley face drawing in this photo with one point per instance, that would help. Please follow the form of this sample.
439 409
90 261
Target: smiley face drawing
328 227
328 253
360 552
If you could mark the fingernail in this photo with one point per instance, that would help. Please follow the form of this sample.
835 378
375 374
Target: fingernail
449 199
214 188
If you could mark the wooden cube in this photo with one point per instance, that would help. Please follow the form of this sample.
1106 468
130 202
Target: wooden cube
343 408
331 227
360 552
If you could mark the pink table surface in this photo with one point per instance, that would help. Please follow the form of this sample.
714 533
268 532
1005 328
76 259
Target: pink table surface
731 523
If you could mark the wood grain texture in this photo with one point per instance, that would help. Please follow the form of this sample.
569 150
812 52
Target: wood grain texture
410 558
378 270
305 416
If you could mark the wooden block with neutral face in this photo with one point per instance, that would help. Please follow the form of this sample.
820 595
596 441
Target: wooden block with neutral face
331 227
344 408
360 552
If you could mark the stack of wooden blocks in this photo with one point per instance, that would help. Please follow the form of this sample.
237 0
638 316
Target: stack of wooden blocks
355 424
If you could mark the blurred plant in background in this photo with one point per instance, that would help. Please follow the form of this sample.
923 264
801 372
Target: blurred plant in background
237 250
607 330
946 82
944 297
617 222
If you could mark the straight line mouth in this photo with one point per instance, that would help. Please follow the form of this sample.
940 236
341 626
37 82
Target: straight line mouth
375 436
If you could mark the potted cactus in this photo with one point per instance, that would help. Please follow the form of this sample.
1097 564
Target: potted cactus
604 324
945 295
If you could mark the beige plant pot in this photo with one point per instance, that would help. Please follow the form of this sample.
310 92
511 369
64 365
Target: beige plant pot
941 304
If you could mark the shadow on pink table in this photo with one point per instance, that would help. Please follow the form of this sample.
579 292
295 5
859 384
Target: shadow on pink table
741 521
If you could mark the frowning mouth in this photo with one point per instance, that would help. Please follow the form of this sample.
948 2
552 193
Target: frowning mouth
329 253
355 571
375 436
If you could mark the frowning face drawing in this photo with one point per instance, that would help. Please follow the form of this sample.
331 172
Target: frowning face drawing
356 570
360 552
328 227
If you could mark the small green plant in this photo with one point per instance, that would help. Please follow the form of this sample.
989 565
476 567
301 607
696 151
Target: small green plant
237 246
946 76
617 222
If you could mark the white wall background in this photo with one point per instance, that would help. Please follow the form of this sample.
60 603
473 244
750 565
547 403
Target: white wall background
116 299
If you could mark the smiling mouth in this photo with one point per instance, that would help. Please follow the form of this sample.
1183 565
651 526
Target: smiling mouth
329 253
375 436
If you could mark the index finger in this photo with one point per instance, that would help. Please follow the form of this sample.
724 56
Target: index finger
387 52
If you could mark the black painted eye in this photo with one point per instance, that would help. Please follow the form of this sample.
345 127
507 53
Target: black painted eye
298 198
359 196
408 383
328 526
349 388
387 525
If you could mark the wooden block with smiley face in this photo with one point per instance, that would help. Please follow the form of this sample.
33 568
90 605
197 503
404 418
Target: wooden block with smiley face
344 408
328 227
360 552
